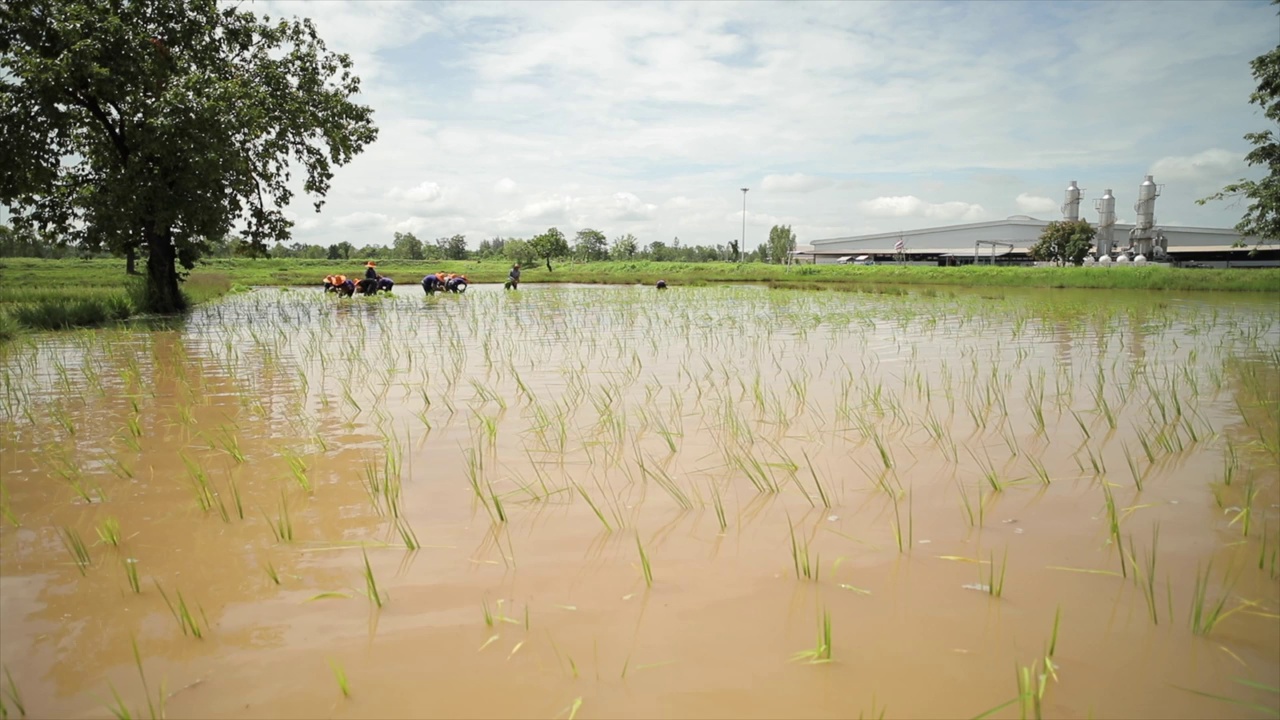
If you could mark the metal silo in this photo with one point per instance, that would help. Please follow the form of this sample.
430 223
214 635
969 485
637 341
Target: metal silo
1106 206
1071 208
1146 205
1141 237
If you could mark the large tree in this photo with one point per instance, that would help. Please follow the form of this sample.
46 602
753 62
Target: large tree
407 246
1262 218
781 242
624 247
591 245
1064 241
550 244
160 124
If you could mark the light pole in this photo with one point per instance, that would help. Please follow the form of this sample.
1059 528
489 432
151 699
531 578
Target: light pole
742 248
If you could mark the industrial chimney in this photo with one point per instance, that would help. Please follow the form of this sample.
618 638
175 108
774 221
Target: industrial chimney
1071 208
1142 236
1106 206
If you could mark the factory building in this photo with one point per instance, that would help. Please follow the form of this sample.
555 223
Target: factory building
1008 241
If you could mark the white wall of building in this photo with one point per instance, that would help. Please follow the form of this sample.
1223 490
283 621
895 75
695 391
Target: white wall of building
1021 232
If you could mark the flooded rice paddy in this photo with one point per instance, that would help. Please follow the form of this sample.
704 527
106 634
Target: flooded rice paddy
613 502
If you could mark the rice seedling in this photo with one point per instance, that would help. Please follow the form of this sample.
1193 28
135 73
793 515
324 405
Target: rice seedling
1133 468
109 532
822 493
75 546
200 484
804 566
719 508
1113 520
235 497
282 527
994 584
155 710
131 574
1083 428
371 583
407 535
1259 708
1145 574
821 652
988 471
11 692
341 676
298 470
1040 470
1205 615
1230 464
182 613
272 573
644 563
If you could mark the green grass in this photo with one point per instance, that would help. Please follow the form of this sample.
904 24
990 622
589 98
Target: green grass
213 277
62 294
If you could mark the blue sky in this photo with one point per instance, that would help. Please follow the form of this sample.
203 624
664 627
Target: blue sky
842 117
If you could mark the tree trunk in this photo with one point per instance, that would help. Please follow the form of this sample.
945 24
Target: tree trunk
163 295
549 265
131 260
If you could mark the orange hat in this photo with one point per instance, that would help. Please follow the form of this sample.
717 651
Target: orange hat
370 264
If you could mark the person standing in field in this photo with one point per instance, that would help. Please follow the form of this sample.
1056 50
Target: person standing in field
513 279
370 271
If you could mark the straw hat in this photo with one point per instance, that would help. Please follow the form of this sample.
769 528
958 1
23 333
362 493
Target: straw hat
370 264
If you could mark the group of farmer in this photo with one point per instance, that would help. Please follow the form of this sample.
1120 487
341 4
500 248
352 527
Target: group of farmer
370 284
444 282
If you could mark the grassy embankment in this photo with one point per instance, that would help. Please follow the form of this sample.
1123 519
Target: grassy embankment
58 294
51 294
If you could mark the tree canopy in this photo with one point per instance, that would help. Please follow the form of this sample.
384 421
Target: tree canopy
1262 217
781 242
164 124
550 244
1064 241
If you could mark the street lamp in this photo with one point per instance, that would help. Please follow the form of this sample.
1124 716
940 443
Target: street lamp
743 247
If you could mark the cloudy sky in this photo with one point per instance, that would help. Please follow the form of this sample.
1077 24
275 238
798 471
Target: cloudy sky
842 118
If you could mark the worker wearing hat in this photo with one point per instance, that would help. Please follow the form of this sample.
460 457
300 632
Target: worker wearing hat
370 271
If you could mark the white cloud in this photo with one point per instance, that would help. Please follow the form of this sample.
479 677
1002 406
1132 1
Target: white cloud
1028 203
505 186
362 219
1208 165
797 183
908 206
425 193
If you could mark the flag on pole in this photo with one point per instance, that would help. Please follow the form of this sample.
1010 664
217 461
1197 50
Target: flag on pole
897 247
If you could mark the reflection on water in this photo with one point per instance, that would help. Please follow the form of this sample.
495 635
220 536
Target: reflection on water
503 460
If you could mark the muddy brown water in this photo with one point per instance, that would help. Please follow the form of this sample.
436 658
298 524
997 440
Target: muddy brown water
939 461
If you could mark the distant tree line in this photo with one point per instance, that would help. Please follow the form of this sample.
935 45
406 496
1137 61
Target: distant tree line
587 245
